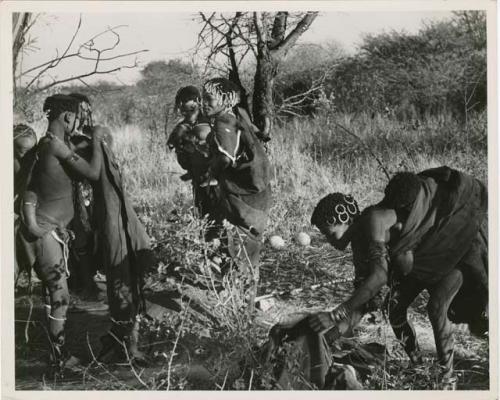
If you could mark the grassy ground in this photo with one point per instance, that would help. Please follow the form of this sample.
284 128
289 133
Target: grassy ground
207 342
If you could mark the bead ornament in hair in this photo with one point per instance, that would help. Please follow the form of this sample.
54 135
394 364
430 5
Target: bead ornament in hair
335 208
224 91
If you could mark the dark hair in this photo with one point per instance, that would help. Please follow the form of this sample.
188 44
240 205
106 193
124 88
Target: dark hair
334 208
187 93
57 104
402 190
80 97
23 130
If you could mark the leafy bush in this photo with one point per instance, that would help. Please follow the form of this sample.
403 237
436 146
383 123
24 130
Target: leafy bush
440 70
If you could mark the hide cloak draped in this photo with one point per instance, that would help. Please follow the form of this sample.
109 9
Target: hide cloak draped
124 243
447 229
245 185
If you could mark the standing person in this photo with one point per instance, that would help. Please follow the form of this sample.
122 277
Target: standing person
83 261
189 139
25 141
240 165
51 181
24 144
429 232
123 247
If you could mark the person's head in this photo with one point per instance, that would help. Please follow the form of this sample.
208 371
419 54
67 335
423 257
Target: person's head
62 110
219 95
334 214
187 101
401 191
24 140
85 112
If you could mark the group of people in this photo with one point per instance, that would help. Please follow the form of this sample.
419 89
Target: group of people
429 232
72 217
220 149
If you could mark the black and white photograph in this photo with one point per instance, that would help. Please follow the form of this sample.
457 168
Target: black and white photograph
249 196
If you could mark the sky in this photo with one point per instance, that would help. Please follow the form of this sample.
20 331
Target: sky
173 35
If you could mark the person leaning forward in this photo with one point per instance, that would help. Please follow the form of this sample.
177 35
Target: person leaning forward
429 232
46 243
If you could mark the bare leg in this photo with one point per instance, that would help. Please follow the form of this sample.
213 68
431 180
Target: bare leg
441 296
401 297
51 269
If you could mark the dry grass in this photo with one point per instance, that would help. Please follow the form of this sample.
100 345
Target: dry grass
311 158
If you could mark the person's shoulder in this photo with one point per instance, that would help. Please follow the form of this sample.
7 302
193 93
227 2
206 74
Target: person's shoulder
47 143
53 146
380 214
226 118
378 221
226 123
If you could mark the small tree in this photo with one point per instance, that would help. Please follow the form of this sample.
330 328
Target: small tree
268 37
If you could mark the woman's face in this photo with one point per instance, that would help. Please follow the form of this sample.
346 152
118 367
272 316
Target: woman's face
210 105
22 145
334 232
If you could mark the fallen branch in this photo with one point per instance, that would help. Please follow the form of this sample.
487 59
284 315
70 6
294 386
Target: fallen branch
292 292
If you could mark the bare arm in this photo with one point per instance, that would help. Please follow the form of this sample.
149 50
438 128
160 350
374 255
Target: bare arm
29 213
375 281
378 226
90 170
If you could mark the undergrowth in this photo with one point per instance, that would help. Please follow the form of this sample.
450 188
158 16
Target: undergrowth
216 329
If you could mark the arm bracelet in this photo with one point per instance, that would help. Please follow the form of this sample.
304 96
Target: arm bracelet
339 314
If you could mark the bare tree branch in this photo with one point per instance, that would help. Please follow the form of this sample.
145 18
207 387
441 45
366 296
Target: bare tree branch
293 36
84 58
279 29
95 72
88 46
257 20
58 59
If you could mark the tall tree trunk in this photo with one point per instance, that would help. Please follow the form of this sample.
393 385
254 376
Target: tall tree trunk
270 53
263 105
20 23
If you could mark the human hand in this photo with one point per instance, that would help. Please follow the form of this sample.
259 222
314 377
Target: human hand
100 133
321 321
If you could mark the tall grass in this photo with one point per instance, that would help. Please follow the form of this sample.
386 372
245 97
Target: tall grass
312 157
